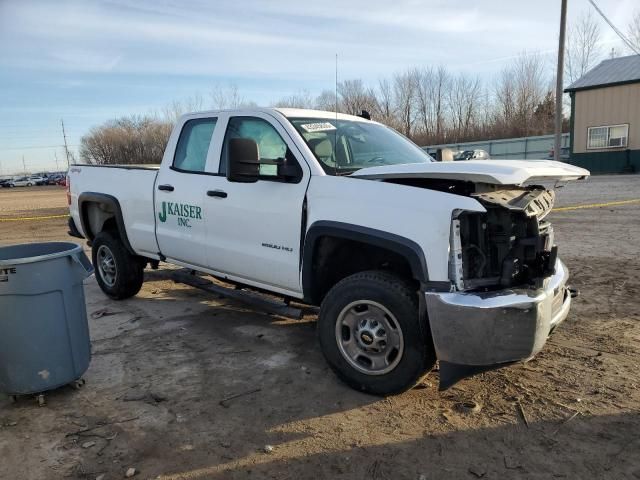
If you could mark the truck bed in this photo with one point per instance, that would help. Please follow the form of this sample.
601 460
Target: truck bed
133 188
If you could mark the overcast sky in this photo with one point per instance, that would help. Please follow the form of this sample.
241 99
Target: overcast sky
88 62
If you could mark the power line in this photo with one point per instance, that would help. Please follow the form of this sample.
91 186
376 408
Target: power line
622 36
39 146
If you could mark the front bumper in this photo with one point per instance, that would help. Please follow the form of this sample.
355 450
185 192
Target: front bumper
501 327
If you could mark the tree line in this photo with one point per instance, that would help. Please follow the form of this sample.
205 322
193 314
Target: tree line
430 105
434 105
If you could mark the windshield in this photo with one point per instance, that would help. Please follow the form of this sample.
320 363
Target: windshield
344 146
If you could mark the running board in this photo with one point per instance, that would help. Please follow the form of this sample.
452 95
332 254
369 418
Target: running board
256 300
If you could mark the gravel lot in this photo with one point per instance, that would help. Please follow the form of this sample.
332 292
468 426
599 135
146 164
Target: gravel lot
164 361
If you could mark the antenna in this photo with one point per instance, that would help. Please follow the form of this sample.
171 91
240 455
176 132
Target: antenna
335 141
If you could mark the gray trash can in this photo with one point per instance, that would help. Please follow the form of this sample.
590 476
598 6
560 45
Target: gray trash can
44 334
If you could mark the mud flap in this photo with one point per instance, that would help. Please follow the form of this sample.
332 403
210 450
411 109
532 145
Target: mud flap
452 373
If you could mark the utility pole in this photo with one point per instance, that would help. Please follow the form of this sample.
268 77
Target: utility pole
24 166
66 148
559 82
55 155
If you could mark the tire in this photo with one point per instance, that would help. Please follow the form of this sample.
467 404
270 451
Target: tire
119 274
351 316
29 184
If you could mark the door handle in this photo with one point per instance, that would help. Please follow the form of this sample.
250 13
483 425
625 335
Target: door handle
217 193
165 188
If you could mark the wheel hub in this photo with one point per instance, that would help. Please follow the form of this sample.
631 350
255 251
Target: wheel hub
371 335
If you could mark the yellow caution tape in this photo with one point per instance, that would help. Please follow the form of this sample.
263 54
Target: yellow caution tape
596 205
561 209
25 219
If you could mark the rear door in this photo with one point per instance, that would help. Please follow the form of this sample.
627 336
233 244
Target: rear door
254 229
180 194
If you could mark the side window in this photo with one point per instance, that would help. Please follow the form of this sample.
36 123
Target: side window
271 147
193 145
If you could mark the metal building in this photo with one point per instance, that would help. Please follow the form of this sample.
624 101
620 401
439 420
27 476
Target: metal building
605 117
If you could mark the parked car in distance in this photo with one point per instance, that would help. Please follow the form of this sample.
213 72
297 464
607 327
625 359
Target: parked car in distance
472 155
54 179
21 182
564 154
38 180
4 183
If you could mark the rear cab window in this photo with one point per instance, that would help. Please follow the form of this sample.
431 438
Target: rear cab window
193 145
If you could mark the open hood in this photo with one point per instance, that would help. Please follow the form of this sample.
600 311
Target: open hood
500 172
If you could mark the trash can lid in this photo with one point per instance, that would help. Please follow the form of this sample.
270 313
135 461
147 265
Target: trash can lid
36 252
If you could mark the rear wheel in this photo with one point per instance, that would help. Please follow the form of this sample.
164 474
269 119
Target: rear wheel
119 274
370 333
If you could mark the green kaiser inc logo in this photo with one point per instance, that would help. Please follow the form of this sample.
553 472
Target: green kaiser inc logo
182 211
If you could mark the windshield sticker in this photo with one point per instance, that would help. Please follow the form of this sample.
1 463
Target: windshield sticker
317 127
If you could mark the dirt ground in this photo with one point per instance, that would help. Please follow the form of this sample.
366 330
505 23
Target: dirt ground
164 361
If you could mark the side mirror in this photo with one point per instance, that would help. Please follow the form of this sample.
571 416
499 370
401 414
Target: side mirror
244 161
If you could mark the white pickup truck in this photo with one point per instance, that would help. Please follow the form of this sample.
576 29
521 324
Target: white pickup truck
410 260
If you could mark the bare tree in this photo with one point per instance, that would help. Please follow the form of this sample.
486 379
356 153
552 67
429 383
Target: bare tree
432 91
175 109
425 82
633 30
302 99
223 97
326 101
505 96
463 100
384 109
583 49
520 89
354 97
404 90
127 140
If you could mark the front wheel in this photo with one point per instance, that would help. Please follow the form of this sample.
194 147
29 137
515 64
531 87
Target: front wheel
370 333
119 273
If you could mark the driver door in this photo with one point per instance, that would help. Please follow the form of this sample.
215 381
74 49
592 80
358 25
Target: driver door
254 229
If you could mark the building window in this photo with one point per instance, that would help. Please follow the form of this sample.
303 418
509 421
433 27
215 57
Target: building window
610 136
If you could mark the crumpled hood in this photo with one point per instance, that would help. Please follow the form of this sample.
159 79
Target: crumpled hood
501 172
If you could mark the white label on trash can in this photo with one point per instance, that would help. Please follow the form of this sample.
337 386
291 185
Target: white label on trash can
5 272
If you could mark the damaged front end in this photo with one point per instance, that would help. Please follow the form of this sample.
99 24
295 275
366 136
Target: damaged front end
508 286
510 244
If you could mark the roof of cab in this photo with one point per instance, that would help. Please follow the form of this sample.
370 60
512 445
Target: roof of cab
287 112
308 113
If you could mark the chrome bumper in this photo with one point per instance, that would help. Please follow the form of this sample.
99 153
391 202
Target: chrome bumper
486 329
